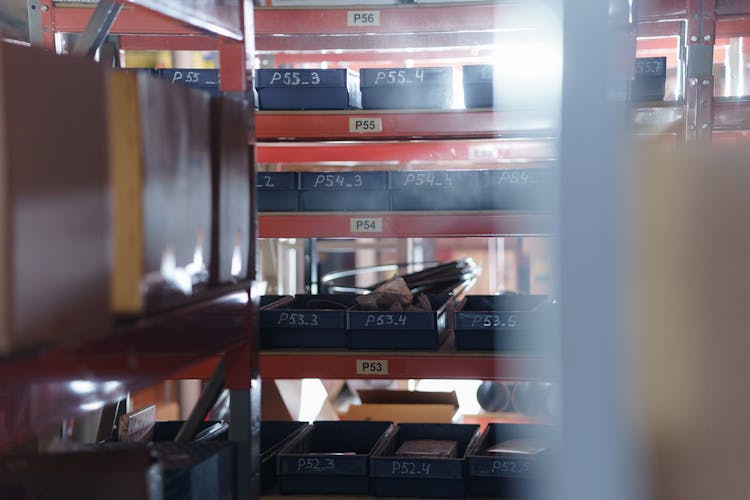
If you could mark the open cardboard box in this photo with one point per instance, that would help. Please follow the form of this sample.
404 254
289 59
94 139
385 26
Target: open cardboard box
404 407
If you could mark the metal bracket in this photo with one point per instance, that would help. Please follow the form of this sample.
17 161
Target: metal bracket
699 85
35 22
98 28
207 400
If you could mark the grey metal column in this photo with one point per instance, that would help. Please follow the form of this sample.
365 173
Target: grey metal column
598 459
98 28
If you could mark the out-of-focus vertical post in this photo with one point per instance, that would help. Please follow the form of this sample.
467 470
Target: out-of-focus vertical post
598 446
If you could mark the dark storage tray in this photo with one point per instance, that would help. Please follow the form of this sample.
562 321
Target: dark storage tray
500 322
436 190
650 79
167 430
197 471
344 191
423 477
300 89
309 464
518 188
507 475
304 321
206 80
278 191
406 88
400 330
191 77
274 436
478 85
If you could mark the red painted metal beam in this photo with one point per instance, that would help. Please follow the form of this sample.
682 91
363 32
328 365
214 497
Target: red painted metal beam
730 28
661 9
165 42
731 115
452 124
393 19
406 224
130 20
279 365
732 7
406 41
493 150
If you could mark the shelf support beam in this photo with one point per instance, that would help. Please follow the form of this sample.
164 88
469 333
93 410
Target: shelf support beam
98 28
699 86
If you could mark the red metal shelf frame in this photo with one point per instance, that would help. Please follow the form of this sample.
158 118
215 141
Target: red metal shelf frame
142 29
731 115
80 374
401 365
393 19
491 150
405 224
281 365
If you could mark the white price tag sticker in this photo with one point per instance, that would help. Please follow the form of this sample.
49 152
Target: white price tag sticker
363 18
364 125
366 225
372 367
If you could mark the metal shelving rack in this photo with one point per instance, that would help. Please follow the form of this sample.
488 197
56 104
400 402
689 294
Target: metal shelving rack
44 386
323 137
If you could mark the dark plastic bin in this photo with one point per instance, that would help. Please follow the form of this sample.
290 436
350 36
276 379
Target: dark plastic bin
650 79
314 462
278 191
300 89
344 191
406 88
435 190
400 330
508 475
206 80
423 477
274 436
518 188
197 471
501 322
305 321
478 85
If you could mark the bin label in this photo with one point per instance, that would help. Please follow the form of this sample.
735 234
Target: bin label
365 125
366 224
372 367
363 18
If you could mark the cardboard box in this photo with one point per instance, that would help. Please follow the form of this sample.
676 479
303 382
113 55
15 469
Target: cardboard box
160 162
54 185
232 256
404 406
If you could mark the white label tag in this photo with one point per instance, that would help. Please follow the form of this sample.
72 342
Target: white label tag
483 153
363 18
366 225
372 367
363 125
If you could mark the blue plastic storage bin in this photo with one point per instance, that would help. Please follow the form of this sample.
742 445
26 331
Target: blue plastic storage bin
478 85
436 190
344 191
394 476
278 191
332 457
406 88
300 89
